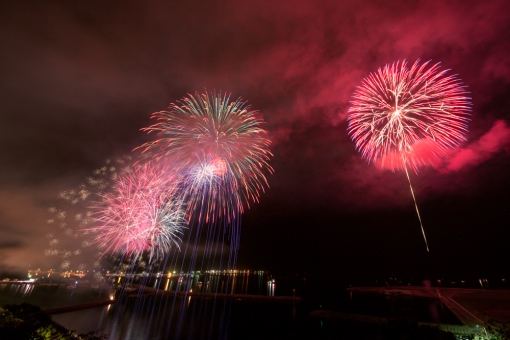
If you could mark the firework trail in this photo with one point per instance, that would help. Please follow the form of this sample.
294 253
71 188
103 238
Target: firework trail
221 152
404 117
141 214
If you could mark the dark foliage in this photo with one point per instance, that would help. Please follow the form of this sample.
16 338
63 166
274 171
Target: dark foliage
25 319
408 329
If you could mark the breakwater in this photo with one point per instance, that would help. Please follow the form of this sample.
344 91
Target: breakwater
152 292
67 309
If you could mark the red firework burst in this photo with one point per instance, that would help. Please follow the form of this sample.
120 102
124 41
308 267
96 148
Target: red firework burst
408 117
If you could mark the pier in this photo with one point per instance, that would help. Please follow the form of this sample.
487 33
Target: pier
475 313
34 283
67 309
465 316
152 292
475 308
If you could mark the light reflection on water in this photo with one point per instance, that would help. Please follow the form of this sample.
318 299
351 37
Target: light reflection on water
237 282
22 290
50 296
185 318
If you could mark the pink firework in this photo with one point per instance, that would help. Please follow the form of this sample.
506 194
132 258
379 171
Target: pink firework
140 214
221 149
404 117
408 117
208 187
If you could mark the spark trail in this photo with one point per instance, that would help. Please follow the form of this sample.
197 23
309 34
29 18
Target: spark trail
417 210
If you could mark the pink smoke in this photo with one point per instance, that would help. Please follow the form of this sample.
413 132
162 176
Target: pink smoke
497 138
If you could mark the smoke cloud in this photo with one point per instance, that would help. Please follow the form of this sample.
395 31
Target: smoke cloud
492 142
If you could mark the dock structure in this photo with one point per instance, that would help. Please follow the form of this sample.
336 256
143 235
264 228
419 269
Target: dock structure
474 318
67 309
152 292
464 316
34 283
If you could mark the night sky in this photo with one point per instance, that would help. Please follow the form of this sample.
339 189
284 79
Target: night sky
78 79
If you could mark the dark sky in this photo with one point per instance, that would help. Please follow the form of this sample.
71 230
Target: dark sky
78 79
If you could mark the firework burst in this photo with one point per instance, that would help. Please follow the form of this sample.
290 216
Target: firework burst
404 117
408 117
71 215
141 214
218 146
